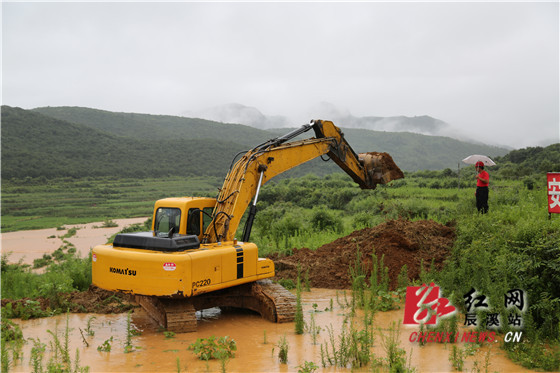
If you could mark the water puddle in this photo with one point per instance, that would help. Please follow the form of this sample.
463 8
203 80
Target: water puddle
255 337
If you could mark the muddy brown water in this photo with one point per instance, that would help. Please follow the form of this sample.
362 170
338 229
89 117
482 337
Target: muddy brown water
30 245
255 337
153 351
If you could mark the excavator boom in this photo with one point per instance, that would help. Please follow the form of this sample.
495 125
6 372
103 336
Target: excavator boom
275 156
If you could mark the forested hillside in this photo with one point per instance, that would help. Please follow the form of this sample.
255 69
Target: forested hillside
35 145
80 142
523 162
411 151
156 127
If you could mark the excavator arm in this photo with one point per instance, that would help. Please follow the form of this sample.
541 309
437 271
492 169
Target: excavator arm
276 156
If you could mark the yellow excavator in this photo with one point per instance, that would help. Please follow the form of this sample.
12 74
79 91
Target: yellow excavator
192 260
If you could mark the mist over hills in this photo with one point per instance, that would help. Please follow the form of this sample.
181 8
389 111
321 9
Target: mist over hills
237 113
81 142
250 116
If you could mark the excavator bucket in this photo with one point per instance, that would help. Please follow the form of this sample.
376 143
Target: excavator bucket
380 167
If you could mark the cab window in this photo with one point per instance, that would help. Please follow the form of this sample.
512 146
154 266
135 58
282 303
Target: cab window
193 222
166 219
207 217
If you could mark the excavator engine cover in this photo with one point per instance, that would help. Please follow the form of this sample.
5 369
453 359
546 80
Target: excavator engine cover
147 241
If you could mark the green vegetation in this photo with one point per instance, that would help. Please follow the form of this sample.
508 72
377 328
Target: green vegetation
299 322
312 211
214 348
352 347
283 348
89 329
456 358
131 331
34 145
396 356
18 281
11 341
528 161
41 203
106 346
154 127
307 367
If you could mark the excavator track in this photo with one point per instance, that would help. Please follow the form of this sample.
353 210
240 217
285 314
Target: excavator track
175 315
270 300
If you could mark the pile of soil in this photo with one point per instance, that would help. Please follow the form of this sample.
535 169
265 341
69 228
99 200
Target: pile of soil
94 300
399 241
101 301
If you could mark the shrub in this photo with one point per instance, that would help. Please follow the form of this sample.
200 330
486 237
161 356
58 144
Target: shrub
214 348
283 348
299 322
323 220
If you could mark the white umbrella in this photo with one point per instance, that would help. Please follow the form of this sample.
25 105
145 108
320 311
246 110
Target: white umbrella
472 159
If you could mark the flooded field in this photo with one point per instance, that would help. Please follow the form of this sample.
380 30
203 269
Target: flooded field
30 245
255 337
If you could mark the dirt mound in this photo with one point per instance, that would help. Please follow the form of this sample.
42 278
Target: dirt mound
400 241
93 300
101 301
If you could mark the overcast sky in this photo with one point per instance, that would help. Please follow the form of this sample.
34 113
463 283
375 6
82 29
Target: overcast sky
491 69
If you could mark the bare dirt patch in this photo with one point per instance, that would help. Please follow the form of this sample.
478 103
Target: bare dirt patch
399 241
93 300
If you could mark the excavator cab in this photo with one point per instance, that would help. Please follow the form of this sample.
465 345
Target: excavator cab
177 225
184 216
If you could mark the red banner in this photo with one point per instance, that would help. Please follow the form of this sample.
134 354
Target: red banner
553 191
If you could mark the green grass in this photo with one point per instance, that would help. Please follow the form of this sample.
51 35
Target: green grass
38 203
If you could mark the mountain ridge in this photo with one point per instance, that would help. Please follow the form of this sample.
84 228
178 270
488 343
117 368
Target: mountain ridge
89 142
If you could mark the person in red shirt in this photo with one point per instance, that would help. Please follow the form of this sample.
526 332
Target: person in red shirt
482 180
